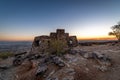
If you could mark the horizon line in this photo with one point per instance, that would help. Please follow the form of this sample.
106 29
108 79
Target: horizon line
103 38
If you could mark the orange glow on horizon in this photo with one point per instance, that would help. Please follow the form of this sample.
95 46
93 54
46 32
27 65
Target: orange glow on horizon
97 38
30 38
16 38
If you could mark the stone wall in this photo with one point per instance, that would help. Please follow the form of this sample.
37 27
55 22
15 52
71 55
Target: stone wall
42 42
40 39
73 41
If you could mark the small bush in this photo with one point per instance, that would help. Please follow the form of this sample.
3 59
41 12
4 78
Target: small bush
58 47
5 55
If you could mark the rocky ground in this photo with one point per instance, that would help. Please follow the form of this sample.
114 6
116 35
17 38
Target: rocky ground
94 62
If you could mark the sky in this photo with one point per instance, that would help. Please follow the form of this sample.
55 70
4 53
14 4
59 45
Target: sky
87 19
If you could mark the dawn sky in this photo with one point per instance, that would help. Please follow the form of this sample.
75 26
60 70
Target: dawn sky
24 19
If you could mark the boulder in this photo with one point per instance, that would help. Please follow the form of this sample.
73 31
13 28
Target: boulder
19 54
4 67
41 70
95 55
68 78
73 52
52 79
102 68
82 53
86 54
101 57
69 71
58 61
17 61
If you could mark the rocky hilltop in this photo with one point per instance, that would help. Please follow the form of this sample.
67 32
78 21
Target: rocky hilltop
60 57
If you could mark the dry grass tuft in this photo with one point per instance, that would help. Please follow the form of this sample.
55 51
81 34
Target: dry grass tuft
4 55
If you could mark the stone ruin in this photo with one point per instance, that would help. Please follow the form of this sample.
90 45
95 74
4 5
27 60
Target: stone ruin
43 42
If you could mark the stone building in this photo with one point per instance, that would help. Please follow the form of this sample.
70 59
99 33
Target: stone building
43 42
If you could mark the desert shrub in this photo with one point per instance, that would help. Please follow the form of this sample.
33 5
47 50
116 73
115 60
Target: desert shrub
5 55
116 31
57 46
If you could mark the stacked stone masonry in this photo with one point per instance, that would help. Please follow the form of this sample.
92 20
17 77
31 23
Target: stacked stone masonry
44 40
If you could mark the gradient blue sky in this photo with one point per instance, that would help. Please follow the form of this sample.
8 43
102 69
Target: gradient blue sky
24 19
